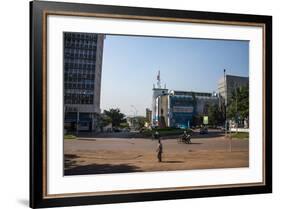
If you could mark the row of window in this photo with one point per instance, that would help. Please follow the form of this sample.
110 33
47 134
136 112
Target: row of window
75 71
83 36
80 61
79 80
80 65
79 77
77 45
78 86
73 50
79 53
77 91
80 56
78 99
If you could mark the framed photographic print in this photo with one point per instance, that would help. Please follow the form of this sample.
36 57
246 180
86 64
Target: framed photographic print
140 104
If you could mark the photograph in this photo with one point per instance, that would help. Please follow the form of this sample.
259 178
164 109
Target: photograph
132 104
135 103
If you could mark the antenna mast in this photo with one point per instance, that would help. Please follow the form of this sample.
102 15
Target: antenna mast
158 80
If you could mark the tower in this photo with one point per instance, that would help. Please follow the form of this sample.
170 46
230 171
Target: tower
156 92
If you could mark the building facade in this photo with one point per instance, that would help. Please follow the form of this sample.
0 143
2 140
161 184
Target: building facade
228 84
148 115
156 92
177 108
83 53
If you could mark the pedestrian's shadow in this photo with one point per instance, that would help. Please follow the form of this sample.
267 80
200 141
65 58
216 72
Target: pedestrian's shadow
172 161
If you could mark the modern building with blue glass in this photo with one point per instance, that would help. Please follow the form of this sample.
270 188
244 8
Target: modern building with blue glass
83 54
177 108
181 111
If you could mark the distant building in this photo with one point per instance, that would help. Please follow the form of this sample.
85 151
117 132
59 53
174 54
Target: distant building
227 85
82 80
148 115
177 108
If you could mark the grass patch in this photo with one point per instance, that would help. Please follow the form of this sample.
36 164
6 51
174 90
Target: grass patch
69 136
240 135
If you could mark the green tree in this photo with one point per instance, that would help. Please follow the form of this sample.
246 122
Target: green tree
197 120
104 120
116 116
124 125
215 115
238 106
139 122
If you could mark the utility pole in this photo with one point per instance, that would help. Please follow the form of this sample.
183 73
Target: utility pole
225 104
236 109
225 112
135 115
77 123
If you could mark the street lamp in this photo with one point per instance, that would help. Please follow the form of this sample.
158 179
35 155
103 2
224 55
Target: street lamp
136 111
135 114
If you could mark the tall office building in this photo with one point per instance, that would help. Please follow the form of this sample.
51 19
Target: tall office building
83 54
229 83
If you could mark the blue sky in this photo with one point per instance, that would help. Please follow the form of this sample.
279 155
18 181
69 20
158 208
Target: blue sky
131 63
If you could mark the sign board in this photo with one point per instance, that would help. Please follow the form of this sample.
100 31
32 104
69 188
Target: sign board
205 120
183 109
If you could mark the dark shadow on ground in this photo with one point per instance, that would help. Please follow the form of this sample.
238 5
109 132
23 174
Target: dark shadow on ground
70 160
71 167
125 135
101 169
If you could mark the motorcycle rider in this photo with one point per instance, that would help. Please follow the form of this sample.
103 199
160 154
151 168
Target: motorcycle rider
186 137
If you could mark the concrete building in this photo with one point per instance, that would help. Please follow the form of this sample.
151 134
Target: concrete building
83 54
229 83
162 110
148 115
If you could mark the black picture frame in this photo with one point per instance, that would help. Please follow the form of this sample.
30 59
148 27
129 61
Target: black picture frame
38 12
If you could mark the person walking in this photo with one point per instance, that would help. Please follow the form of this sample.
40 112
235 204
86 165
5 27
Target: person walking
159 151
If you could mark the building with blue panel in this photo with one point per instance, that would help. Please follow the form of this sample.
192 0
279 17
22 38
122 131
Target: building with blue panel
181 111
177 108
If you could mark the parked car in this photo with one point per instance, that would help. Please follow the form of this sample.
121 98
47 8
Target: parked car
204 130
116 130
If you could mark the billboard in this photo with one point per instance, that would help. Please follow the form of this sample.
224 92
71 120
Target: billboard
183 109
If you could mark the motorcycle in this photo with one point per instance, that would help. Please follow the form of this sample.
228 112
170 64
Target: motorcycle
185 139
